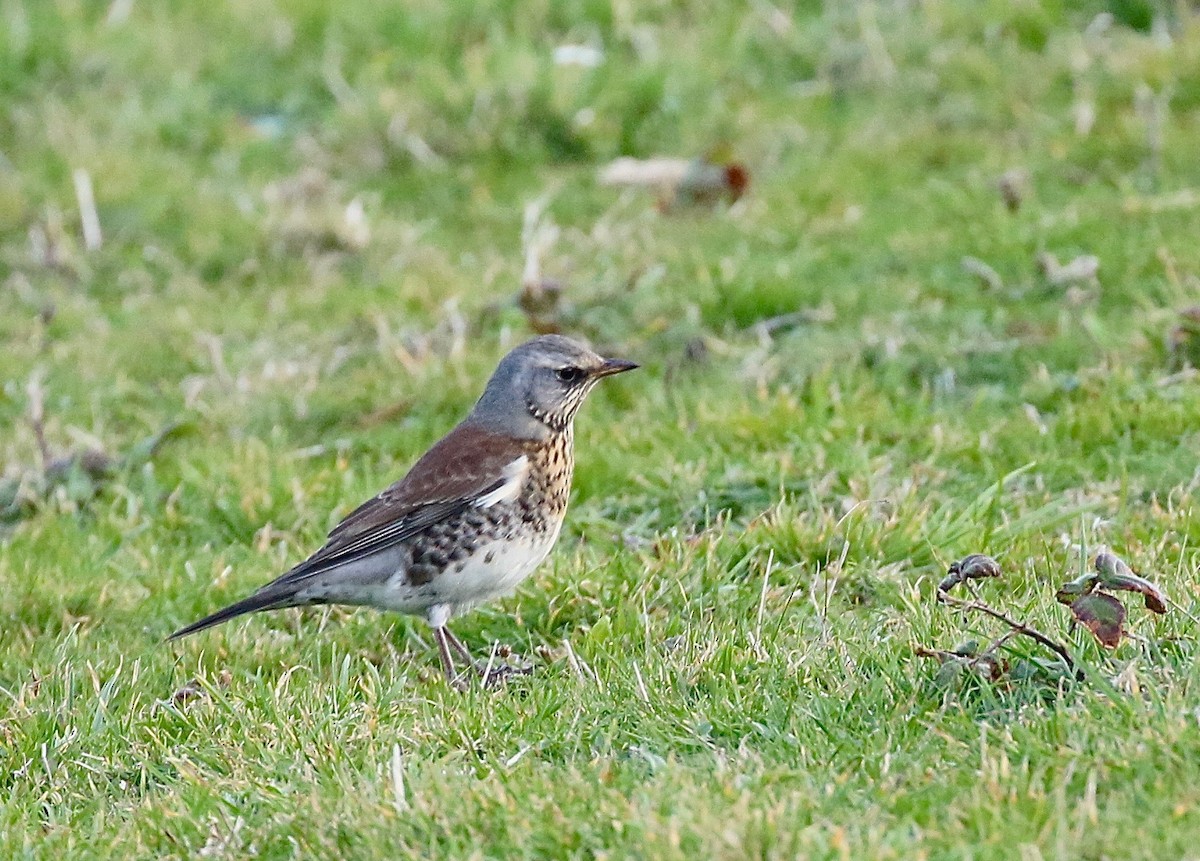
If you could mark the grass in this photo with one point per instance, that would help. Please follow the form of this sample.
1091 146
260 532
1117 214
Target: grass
725 634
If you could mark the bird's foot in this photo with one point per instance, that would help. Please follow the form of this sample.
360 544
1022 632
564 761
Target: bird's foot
502 663
494 675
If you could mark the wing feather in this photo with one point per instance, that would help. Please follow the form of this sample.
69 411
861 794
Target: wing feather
469 466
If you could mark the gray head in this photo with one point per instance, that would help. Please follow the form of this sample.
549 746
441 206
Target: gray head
539 386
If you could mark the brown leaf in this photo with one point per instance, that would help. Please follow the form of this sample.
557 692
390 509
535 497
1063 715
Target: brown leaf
1103 615
1114 574
193 690
973 567
91 462
187 693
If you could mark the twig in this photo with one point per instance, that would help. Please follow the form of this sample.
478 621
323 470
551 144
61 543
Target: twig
1019 627
760 652
940 654
970 659
399 796
769 326
88 218
37 420
996 644
988 276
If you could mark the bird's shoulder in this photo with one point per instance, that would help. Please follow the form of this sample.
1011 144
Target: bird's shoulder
465 465
470 466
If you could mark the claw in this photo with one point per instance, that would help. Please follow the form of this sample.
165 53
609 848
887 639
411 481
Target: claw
497 674
489 673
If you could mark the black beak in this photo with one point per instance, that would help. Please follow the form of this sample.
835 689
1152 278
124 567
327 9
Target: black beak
614 366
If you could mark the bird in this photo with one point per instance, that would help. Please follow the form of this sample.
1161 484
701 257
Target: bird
472 518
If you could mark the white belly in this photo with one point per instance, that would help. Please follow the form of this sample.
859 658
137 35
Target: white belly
495 570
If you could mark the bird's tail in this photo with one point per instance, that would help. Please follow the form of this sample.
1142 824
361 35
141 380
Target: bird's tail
261 600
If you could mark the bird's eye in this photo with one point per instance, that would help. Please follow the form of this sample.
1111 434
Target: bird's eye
569 375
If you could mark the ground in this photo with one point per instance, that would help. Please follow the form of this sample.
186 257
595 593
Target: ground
311 228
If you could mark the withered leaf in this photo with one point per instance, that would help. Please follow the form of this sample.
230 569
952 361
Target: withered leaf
941 654
1081 585
1080 269
194 689
1103 615
1114 574
703 180
973 567
190 691
92 462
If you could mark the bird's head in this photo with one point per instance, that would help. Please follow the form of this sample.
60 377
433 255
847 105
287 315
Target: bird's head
538 387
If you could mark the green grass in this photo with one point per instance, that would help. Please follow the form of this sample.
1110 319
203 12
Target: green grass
725 634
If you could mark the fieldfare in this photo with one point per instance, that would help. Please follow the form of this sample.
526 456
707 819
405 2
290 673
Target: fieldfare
472 518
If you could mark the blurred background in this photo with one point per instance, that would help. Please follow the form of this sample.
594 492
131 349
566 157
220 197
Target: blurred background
257 255
291 218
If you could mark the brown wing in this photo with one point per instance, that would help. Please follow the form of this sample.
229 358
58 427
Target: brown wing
466 464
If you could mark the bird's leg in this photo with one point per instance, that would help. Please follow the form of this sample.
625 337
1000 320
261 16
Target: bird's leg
463 651
440 637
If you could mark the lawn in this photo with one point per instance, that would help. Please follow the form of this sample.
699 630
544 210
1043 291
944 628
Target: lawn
954 313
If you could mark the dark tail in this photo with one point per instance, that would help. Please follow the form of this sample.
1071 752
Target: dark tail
263 600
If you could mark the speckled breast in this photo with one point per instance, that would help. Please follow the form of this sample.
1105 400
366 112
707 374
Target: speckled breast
523 529
542 503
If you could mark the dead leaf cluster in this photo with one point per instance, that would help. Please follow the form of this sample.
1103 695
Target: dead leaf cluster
194 689
1089 596
702 181
1100 612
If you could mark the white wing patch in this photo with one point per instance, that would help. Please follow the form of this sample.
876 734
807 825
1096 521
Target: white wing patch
514 477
